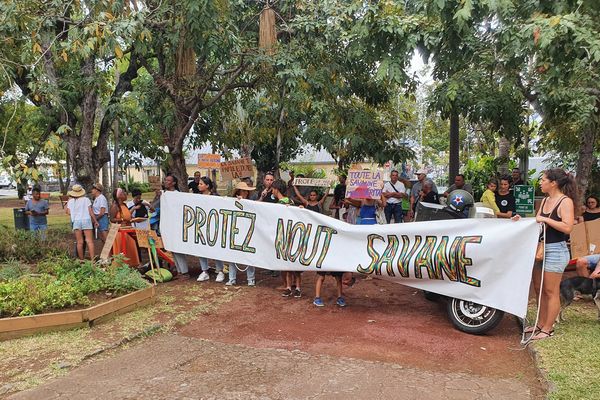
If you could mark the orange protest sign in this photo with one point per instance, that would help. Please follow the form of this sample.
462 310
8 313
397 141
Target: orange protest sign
209 160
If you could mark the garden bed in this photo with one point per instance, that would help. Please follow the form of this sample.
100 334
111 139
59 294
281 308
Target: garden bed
42 288
20 326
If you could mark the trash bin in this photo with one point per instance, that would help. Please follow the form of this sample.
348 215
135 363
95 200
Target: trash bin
21 219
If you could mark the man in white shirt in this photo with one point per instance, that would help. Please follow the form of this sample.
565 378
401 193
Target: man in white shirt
394 191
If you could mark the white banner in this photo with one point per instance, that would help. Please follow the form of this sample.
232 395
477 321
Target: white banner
488 261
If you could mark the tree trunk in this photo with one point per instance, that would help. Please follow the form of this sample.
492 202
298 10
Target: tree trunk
503 155
453 165
116 155
586 159
177 167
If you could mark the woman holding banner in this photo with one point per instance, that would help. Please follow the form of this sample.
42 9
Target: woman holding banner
557 214
206 187
313 202
242 192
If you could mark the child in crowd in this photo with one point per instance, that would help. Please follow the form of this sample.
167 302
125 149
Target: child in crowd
37 209
319 284
293 279
242 192
488 198
139 209
206 187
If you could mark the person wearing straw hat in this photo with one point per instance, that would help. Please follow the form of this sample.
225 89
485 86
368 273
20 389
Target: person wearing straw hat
242 192
83 219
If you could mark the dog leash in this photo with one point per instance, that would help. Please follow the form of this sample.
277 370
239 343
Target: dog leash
525 341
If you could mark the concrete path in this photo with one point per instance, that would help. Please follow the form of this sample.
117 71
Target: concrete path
172 366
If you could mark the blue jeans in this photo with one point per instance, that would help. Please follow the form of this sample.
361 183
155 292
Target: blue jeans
204 264
250 271
394 209
40 228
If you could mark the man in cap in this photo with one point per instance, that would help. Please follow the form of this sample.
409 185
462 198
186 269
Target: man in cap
415 191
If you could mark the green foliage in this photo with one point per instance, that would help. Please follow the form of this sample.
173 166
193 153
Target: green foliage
61 282
478 172
26 246
144 187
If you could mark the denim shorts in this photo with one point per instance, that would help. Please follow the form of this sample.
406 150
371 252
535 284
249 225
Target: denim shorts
592 261
103 223
82 224
556 258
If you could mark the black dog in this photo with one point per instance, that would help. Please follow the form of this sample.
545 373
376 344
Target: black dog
568 287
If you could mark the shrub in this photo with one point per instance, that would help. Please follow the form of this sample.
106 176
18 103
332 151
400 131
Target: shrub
27 246
144 187
61 282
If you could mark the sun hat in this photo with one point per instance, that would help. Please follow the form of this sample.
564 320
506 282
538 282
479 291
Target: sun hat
244 186
76 191
421 171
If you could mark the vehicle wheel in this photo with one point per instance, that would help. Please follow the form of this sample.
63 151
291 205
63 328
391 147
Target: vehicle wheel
471 317
431 296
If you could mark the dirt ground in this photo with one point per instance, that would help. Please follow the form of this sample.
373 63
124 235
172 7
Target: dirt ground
389 342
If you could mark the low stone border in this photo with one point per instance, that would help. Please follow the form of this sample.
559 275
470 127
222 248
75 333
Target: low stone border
11 328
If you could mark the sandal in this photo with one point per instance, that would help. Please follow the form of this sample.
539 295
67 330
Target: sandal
531 329
543 335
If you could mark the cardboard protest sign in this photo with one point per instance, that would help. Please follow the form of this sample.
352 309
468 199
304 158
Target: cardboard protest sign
364 184
209 160
585 239
155 183
110 239
312 182
142 236
236 169
456 258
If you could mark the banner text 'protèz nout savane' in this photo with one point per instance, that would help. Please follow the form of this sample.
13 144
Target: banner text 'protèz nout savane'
296 241
209 227
424 252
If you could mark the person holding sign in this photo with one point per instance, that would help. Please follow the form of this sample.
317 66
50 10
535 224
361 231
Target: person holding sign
205 187
171 184
394 191
505 200
557 213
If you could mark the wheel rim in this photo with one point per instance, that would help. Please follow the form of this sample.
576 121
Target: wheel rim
470 313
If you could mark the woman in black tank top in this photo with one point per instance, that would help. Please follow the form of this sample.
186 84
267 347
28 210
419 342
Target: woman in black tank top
557 214
313 202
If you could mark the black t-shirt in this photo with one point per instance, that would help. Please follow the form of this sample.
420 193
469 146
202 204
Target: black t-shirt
194 186
505 202
141 212
588 216
269 197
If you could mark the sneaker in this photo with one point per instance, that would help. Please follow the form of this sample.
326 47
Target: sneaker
230 283
318 302
203 276
297 293
287 293
220 277
340 302
251 283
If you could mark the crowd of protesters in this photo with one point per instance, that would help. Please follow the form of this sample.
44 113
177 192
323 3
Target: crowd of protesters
557 212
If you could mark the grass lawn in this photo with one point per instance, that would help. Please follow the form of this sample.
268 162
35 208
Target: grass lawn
570 358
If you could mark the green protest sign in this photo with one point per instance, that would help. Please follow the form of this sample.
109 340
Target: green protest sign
524 196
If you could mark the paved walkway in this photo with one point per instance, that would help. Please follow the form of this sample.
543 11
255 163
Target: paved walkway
171 366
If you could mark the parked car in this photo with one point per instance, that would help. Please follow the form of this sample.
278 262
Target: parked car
6 182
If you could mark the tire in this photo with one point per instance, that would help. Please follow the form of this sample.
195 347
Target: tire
471 317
